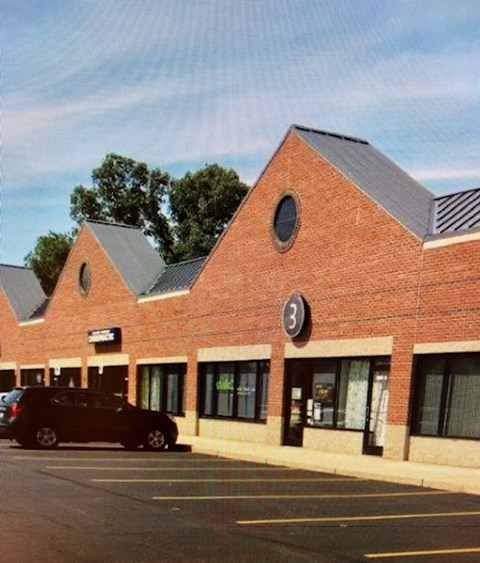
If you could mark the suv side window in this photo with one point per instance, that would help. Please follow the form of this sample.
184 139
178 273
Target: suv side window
83 400
63 399
107 402
72 399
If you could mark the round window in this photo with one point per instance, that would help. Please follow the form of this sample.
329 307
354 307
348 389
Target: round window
84 279
285 221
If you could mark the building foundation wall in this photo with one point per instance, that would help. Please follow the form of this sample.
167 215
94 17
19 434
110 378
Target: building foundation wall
332 441
442 451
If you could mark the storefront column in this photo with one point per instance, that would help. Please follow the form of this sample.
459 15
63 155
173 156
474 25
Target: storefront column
132 380
276 385
399 400
190 424
84 373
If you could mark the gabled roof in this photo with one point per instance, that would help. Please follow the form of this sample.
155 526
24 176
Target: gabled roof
130 252
377 176
177 277
23 291
457 212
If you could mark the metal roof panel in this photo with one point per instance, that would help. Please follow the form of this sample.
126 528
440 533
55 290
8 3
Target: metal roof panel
135 259
176 277
377 176
23 290
457 212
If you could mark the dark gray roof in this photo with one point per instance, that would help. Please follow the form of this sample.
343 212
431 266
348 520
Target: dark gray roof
457 212
40 312
177 277
131 253
377 176
23 291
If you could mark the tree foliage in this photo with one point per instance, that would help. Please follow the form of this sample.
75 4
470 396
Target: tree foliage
48 258
202 204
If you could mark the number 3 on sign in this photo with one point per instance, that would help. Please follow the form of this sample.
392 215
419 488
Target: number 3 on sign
293 318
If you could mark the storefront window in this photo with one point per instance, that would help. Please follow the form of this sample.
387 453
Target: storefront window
144 381
173 389
246 388
66 377
338 391
429 395
109 379
263 369
34 377
236 390
209 390
321 406
225 386
156 377
447 396
7 380
161 387
352 395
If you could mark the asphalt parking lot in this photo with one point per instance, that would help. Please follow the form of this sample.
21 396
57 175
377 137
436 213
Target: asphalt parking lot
107 504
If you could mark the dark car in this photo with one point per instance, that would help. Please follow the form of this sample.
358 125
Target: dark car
41 417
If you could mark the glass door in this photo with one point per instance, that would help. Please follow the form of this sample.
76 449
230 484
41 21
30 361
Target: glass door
295 403
376 412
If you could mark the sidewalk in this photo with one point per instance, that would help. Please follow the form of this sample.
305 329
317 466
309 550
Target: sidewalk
455 479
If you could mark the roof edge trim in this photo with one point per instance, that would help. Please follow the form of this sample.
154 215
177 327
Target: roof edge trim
162 296
329 134
450 239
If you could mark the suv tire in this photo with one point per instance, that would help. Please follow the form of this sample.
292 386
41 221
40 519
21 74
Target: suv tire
155 439
44 437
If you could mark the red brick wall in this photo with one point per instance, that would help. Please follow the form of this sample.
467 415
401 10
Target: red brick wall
8 330
449 307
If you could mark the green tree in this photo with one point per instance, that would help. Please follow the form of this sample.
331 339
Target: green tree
48 258
126 191
184 217
201 205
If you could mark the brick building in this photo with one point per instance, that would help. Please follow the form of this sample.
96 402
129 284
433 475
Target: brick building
339 311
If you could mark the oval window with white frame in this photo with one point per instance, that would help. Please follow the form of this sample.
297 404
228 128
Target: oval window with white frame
286 220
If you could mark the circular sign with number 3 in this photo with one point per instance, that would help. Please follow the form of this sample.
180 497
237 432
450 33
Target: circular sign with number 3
294 316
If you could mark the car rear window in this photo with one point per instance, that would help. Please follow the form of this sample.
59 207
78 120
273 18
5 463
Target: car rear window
13 396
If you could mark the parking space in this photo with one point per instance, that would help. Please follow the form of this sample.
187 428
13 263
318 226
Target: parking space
295 514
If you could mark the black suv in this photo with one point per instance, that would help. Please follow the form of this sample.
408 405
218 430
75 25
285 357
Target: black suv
41 417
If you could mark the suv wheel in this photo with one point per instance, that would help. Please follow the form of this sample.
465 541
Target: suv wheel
45 437
155 439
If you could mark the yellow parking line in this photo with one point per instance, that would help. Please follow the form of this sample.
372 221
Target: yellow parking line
122 459
253 480
418 553
305 496
97 468
356 518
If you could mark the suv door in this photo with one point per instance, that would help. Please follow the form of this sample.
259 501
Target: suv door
111 418
71 413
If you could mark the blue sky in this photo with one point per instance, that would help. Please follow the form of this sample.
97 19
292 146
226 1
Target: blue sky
178 84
